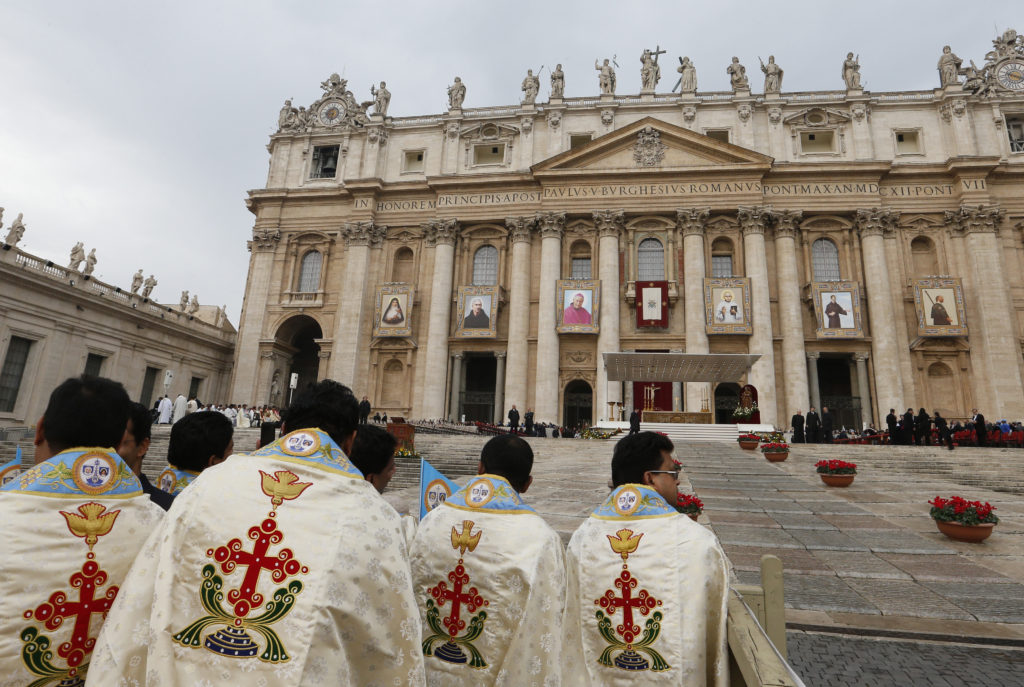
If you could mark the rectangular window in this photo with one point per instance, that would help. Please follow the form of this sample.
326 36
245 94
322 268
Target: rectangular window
817 142
580 268
908 142
325 162
1015 131
148 382
721 265
94 364
193 387
577 140
718 134
412 161
489 154
12 372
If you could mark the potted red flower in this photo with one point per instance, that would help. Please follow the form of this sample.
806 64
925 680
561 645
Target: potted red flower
748 442
963 520
836 473
776 451
689 504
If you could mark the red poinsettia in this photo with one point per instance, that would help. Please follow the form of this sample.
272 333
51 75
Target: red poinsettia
835 467
749 437
689 504
775 447
961 511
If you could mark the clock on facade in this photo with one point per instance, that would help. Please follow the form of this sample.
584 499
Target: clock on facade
332 112
1011 75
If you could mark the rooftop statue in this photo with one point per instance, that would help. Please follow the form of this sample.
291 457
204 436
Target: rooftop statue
737 76
606 78
77 256
949 68
851 71
687 76
381 99
456 94
530 87
557 82
772 75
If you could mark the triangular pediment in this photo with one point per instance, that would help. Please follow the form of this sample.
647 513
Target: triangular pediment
652 145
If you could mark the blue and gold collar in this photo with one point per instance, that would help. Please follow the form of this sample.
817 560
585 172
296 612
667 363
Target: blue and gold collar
78 472
488 494
312 447
631 502
173 481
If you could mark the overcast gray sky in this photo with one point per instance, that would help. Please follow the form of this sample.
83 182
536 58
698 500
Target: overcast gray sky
139 127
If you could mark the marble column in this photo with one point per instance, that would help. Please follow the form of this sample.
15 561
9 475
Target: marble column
551 225
691 222
520 231
456 390
250 326
439 234
865 391
812 374
609 225
677 389
349 351
872 225
499 387
762 375
787 275
995 323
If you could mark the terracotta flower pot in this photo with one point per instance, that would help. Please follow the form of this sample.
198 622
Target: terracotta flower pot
777 456
692 516
837 480
748 445
967 533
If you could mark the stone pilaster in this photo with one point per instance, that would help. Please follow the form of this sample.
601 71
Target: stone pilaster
865 390
787 274
753 220
609 225
439 234
453 403
812 375
499 387
551 225
520 231
691 223
250 326
872 225
994 321
349 344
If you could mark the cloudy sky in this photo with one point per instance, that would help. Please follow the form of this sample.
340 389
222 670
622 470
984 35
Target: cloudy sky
139 127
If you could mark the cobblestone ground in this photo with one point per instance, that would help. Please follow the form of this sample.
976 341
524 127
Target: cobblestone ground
830 660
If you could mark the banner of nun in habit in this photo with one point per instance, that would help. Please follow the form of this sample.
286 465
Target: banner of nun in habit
393 311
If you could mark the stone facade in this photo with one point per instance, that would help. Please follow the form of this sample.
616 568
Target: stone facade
784 189
70 323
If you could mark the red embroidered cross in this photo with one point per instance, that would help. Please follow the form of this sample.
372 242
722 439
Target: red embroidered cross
53 612
643 602
281 566
471 598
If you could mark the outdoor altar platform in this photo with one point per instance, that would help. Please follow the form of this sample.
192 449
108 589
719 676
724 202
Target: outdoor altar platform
684 432
677 417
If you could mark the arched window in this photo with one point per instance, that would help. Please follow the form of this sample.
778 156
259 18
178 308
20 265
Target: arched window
721 258
309 273
922 250
825 260
403 267
650 259
579 254
485 266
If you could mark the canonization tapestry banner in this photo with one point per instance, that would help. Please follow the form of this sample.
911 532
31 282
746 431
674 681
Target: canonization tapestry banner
652 304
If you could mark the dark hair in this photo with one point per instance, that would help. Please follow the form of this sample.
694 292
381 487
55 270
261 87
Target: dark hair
636 454
326 405
508 456
196 437
372 450
86 411
142 422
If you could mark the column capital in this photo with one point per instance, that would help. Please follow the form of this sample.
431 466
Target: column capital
551 224
876 221
457 356
753 218
973 219
265 238
499 354
440 231
363 233
787 223
520 228
692 221
813 355
609 222
861 357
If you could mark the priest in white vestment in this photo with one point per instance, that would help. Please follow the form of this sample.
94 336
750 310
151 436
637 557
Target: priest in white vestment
72 524
489 576
198 441
164 408
277 568
180 408
647 586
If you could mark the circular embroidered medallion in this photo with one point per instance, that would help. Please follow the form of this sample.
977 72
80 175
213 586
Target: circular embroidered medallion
627 501
437 492
167 480
300 443
94 473
9 474
479 493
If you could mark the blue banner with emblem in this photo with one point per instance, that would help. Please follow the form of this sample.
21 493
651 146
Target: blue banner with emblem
435 488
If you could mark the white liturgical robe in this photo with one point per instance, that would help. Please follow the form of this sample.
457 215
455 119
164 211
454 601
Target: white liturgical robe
279 567
647 597
72 527
489 576
165 409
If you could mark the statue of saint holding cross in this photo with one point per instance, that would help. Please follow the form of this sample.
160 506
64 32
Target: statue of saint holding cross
650 72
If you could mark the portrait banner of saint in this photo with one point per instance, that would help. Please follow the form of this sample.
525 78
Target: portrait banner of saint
578 306
477 315
393 311
727 305
939 303
837 306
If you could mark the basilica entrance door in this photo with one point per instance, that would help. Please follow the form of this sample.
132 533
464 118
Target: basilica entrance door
727 397
478 391
579 400
835 382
